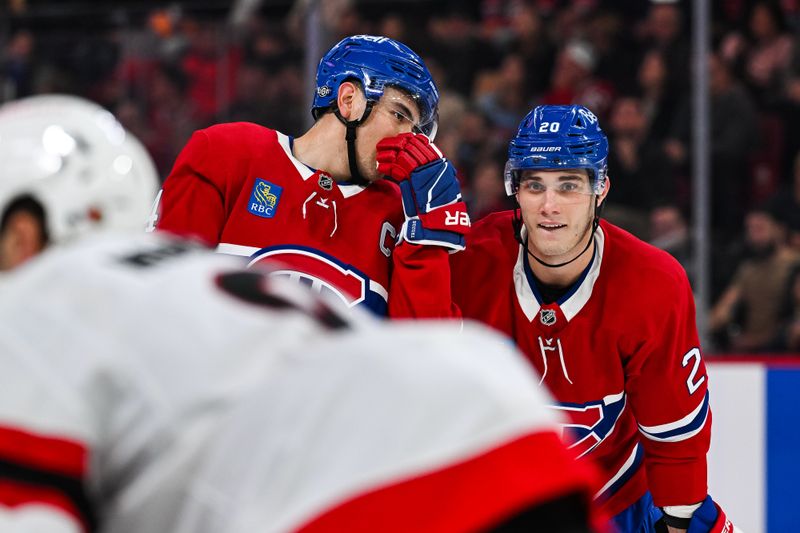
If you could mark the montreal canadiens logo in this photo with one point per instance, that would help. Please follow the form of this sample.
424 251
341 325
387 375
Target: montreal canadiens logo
325 182
547 317
324 274
590 423
323 91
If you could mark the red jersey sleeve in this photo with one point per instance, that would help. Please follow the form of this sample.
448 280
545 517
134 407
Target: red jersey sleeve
667 385
192 200
198 195
420 285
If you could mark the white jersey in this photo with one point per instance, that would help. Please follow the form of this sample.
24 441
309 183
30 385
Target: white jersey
149 385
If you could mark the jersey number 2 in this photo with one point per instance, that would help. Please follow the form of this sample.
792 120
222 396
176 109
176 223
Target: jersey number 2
693 385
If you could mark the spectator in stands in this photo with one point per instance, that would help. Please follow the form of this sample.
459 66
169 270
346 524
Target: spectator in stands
785 203
172 116
749 310
210 64
788 337
573 81
791 332
790 112
663 33
733 127
640 172
765 54
605 32
527 37
670 232
504 100
659 102
452 35
17 68
475 136
486 191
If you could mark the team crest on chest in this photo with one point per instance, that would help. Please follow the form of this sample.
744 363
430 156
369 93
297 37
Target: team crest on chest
325 182
547 317
264 198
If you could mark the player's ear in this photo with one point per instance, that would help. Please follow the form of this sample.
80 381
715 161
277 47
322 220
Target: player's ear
603 195
350 101
20 239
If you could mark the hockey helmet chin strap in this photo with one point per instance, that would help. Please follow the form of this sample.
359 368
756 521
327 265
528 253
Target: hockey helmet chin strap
350 136
517 222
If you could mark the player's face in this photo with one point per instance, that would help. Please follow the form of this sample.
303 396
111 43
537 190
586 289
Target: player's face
395 113
558 208
20 239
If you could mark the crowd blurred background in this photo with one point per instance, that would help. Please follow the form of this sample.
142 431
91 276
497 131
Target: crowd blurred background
166 69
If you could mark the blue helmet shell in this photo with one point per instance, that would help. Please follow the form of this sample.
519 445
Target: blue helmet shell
553 137
376 62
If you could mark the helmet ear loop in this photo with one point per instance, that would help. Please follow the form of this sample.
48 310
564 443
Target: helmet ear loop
350 137
516 222
598 212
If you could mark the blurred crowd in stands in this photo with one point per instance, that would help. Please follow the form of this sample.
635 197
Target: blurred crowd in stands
168 69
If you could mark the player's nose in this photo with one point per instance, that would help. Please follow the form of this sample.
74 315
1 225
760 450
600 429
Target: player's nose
549 201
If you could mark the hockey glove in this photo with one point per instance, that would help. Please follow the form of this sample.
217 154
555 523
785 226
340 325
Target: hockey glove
435 213
709 518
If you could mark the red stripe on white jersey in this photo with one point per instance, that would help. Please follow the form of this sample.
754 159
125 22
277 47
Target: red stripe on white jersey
14 495
51 454
480 492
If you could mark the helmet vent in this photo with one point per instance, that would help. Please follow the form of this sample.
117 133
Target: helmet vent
584 148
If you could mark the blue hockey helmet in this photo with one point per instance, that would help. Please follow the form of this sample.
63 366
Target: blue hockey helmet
553 137
377 62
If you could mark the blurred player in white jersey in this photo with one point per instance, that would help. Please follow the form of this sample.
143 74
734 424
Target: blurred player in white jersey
149 385
67 167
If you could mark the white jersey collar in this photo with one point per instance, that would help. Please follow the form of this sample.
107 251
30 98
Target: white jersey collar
580 296
347 189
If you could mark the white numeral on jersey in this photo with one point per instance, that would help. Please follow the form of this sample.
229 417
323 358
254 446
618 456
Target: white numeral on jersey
690 382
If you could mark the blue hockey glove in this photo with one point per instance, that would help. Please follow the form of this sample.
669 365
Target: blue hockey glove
435 213
709 518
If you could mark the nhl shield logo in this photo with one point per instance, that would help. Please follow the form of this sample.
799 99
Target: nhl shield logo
325 182
547 317
323 91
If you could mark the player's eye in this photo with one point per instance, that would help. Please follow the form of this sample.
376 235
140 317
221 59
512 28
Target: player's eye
534 186
568 186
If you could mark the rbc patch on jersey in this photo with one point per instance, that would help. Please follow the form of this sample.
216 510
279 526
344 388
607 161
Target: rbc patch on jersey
264 198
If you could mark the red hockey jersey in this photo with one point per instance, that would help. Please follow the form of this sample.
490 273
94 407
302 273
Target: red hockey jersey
619 351
238 187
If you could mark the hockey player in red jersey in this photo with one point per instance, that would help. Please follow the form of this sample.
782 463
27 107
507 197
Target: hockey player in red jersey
607 320
318 204
151 385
